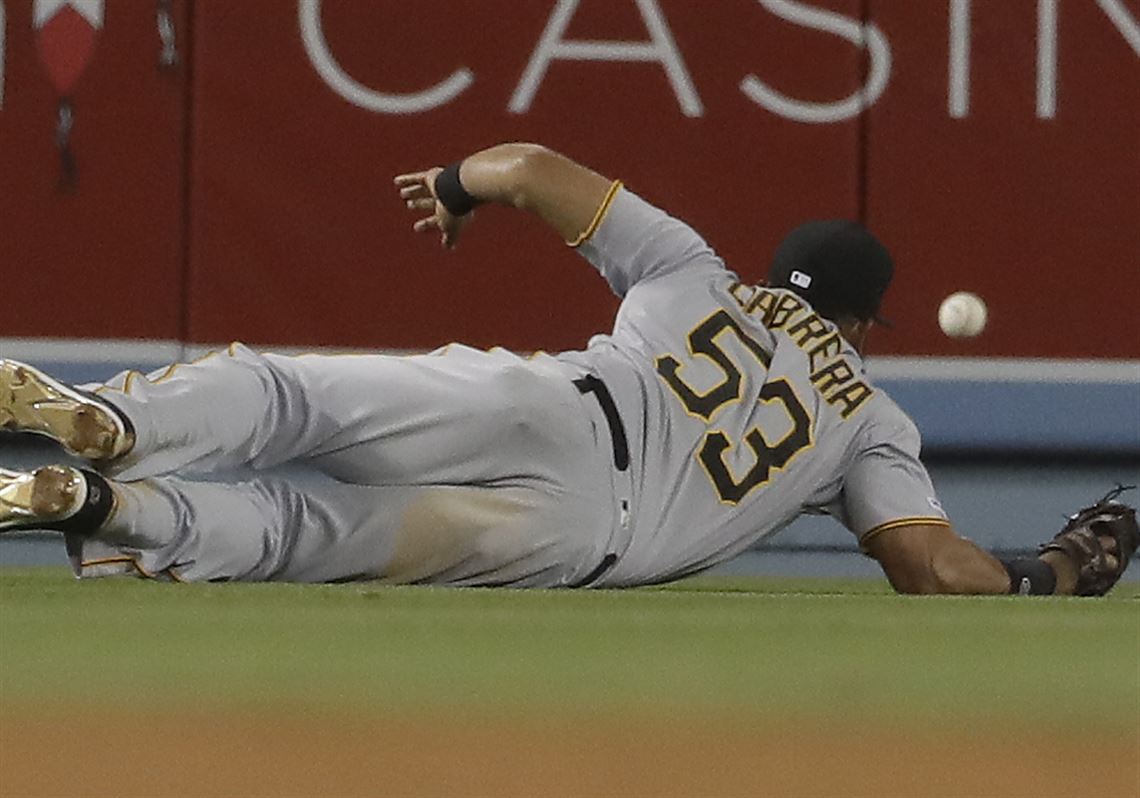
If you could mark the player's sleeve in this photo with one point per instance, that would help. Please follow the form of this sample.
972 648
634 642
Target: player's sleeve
630 241
887 485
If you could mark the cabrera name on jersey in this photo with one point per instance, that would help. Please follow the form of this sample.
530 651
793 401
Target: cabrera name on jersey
744 407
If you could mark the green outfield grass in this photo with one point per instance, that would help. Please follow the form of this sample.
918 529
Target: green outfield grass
843 649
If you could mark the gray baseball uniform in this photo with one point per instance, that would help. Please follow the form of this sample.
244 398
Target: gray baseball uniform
711 417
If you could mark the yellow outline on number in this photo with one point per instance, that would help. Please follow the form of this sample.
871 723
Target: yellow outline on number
744 441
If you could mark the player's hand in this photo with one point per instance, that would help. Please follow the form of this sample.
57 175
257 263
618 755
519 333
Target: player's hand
417 189
1098 541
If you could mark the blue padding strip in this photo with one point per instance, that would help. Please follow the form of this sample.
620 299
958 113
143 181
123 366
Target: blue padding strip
1022 416
80 373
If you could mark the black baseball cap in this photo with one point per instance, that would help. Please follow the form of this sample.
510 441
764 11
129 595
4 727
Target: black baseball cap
837 265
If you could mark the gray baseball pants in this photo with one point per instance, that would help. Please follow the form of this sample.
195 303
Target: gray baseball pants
460 467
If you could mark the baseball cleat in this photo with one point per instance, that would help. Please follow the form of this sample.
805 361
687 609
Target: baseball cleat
31 401
53 497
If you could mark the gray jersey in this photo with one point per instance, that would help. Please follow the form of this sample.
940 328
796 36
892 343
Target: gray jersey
743 407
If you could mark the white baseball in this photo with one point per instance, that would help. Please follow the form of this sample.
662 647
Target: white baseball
962 315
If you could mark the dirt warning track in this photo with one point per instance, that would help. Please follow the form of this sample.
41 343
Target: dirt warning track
125 752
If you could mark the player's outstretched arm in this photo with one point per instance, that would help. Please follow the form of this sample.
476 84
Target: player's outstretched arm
1086 558
564 194
932 558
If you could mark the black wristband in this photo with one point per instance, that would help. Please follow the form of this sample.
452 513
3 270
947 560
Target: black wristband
451 192
1030 576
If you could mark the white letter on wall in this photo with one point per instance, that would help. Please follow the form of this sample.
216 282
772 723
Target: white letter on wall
1047 47
317 47
959 99
661 49
866 36
1123 21
1046 59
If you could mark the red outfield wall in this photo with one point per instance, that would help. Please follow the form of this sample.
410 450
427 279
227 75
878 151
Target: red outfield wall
245 192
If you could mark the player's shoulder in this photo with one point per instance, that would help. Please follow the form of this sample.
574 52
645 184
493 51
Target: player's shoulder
627 214
883 421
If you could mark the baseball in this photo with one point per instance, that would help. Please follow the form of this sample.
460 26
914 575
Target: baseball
962 315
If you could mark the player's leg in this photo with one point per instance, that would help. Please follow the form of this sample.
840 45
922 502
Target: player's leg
456 417
228 410
459 416
309 528
231 409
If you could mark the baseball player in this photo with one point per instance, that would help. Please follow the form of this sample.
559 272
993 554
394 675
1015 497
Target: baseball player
713 415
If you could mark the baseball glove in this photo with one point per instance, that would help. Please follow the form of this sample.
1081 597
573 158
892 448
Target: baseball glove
1080 539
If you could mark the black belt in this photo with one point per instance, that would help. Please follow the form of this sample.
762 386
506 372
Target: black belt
591 384
606 564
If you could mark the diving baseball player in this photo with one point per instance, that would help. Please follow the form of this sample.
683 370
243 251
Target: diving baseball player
712 416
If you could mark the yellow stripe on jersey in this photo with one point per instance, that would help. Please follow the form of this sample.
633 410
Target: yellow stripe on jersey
919 520
603 209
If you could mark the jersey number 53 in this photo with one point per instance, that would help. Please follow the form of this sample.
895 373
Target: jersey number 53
703 343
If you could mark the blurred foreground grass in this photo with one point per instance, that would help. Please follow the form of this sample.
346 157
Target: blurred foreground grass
844 650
